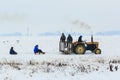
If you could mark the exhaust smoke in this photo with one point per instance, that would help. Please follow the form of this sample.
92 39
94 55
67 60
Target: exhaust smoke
80 25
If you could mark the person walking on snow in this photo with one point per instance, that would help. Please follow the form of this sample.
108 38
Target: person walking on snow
37 50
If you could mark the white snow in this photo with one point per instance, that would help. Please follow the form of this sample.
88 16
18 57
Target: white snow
54 65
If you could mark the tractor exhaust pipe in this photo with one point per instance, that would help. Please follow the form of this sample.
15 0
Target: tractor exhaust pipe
91 38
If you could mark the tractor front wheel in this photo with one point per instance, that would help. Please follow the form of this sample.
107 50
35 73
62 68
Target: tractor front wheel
97 51
80 49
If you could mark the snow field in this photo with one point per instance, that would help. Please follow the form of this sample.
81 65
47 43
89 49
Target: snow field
54 65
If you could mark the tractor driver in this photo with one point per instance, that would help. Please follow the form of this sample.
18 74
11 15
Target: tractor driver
80 39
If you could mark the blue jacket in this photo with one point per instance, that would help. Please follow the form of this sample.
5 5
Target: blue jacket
36 49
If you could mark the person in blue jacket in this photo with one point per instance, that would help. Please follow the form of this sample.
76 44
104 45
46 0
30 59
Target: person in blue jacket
12 51
37 50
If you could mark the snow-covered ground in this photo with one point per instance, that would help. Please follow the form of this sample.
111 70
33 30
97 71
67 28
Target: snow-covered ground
54 65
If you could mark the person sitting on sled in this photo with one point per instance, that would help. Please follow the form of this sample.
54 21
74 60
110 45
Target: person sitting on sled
12 52
37 50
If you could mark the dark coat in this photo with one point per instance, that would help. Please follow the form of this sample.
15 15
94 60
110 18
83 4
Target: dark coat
80 39
63 38
12 51
69 39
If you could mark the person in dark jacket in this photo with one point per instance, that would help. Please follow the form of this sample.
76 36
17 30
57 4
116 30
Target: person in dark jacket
69 42
37 50
62 38
12 51
62 43
80 39
69 39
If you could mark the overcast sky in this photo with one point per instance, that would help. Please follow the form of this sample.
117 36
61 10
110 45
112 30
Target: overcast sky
59 15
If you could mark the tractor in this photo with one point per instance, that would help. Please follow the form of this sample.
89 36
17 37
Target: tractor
80 47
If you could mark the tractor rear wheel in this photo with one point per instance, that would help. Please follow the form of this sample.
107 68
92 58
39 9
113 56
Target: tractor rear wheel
97 51
80 49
